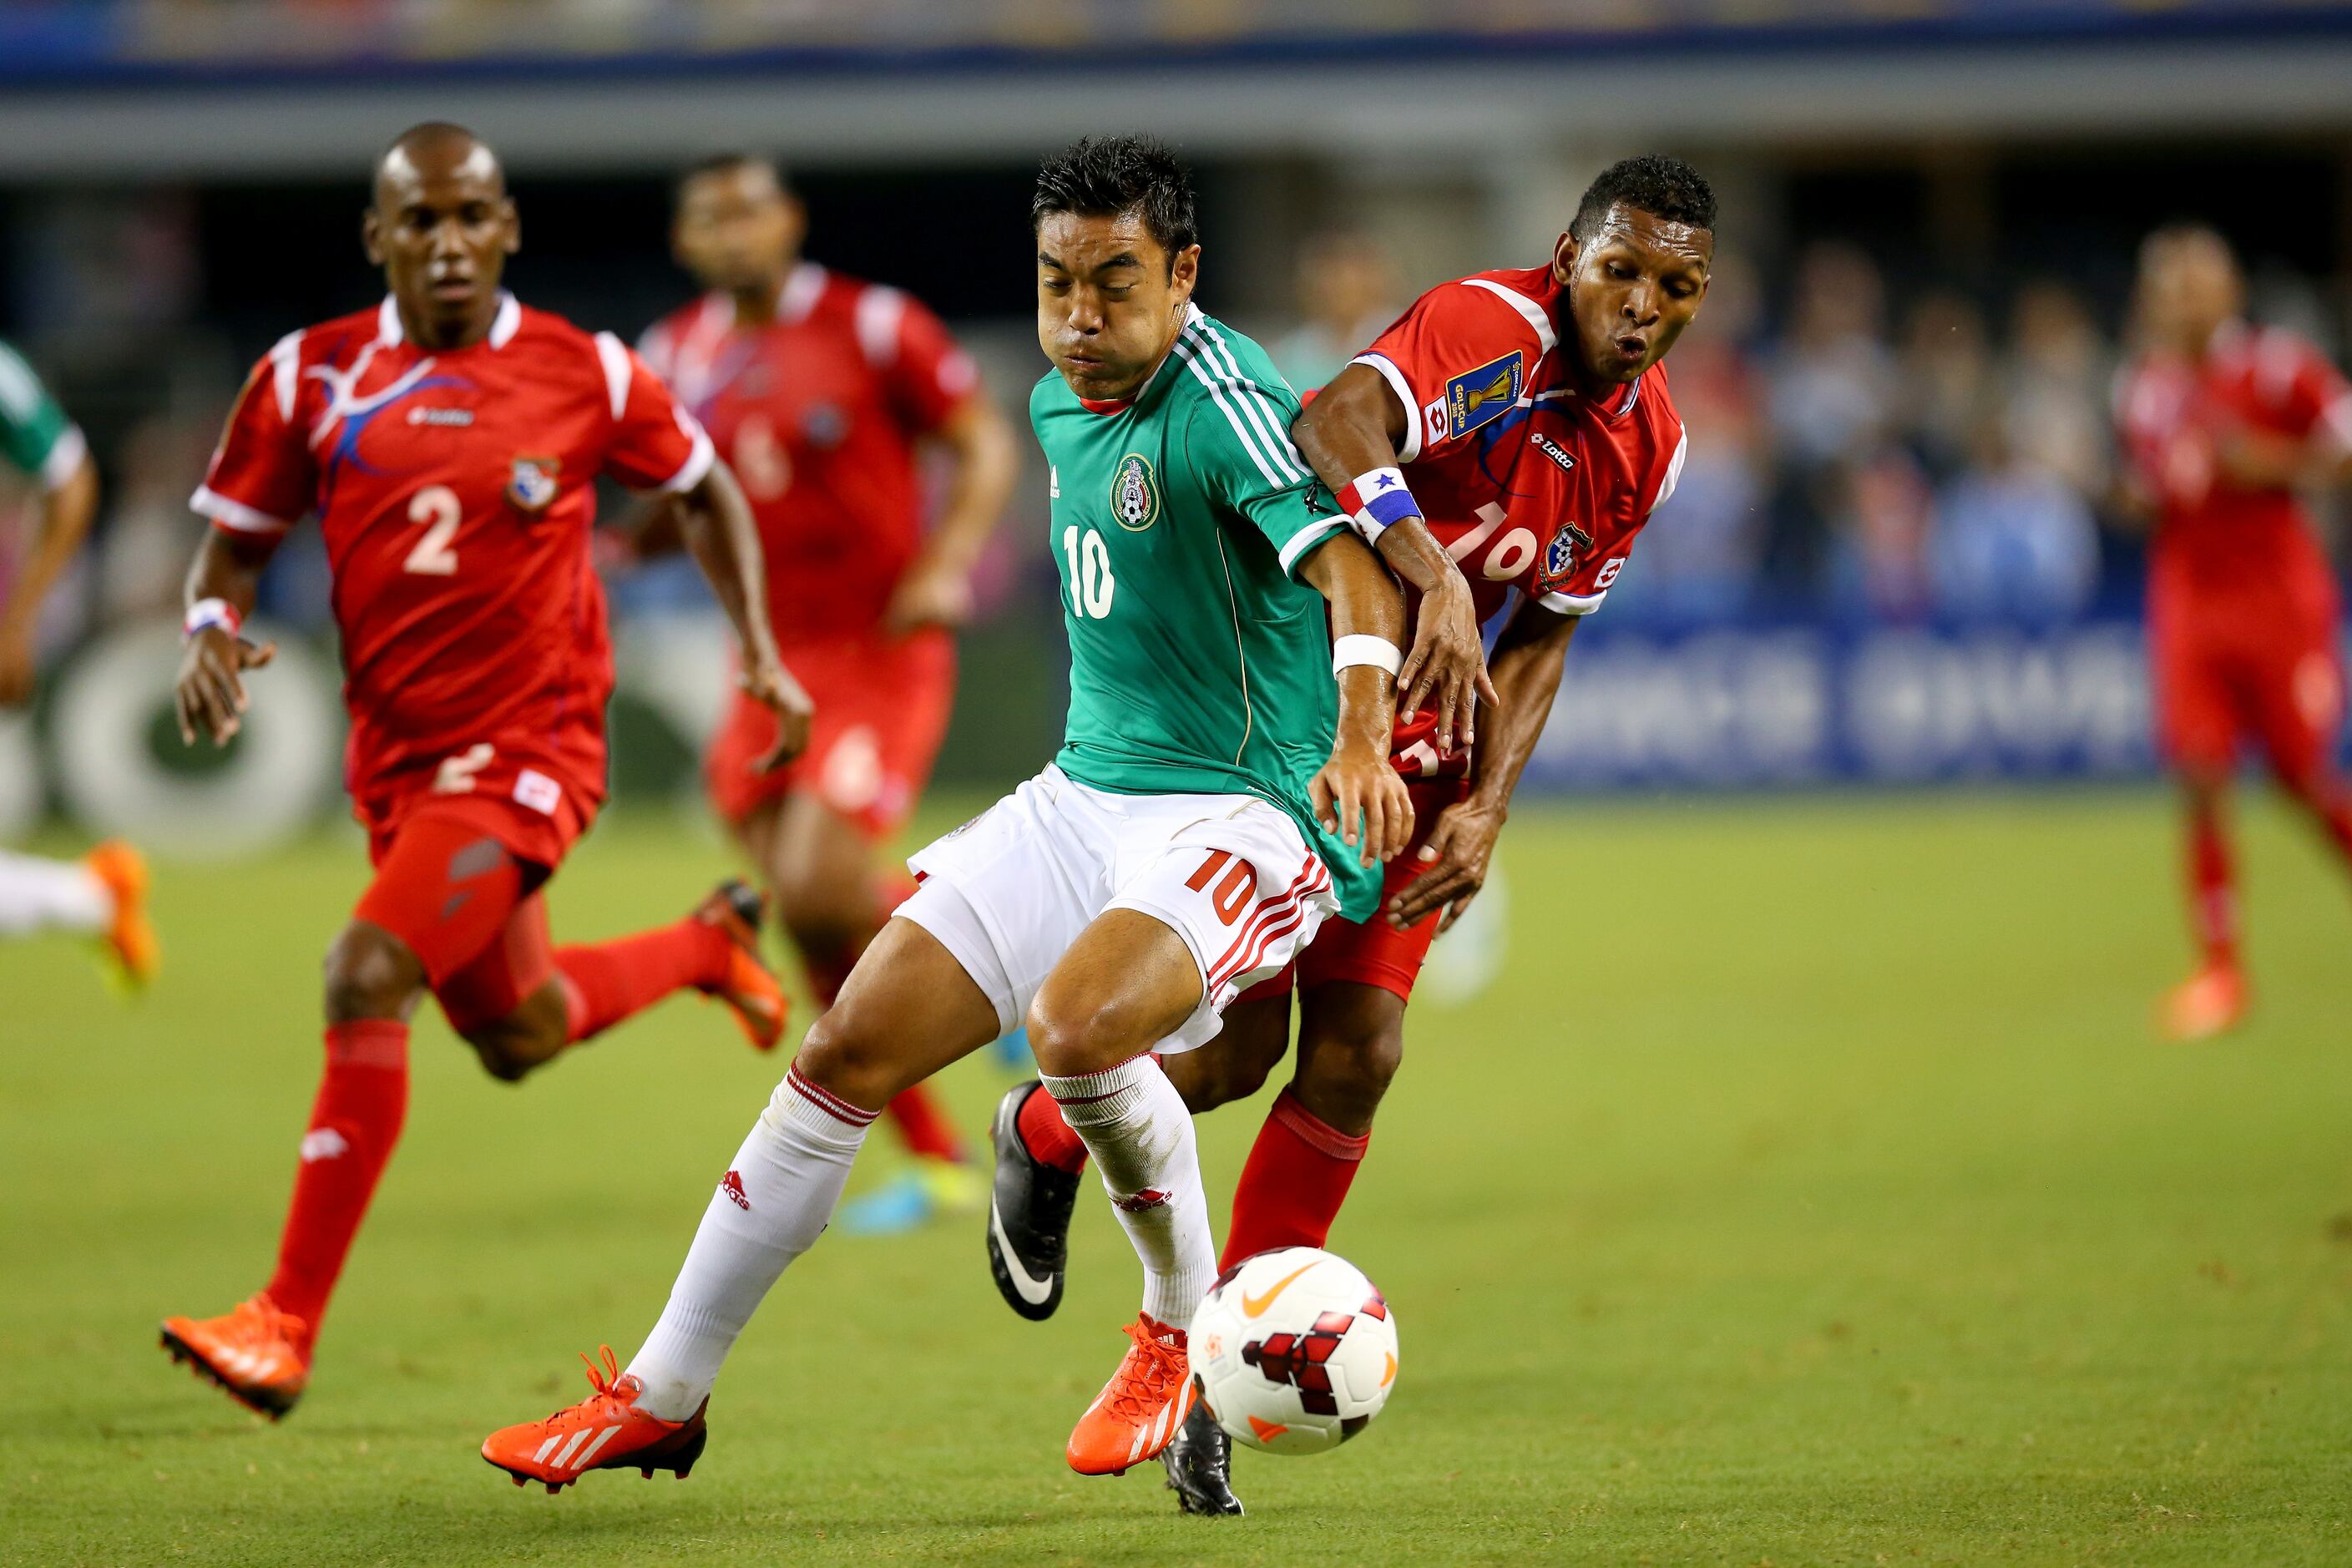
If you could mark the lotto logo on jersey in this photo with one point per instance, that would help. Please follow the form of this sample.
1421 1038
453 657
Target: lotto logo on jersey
1134 500
533 485
1477 396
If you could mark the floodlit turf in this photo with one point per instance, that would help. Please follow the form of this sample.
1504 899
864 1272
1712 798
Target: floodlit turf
1806 1191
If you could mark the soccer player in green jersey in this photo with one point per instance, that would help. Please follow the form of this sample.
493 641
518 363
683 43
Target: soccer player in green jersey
1218 795
103 894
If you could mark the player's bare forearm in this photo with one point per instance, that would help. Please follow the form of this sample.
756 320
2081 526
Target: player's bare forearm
715 521
1351 428
66 515
210 690
983 461
1358 786
652 530
2263 461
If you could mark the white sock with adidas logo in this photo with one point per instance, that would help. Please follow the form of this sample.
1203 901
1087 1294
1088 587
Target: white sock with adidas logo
1135 1125
773 1204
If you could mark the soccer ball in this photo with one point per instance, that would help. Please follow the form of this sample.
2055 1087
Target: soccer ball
1296 1350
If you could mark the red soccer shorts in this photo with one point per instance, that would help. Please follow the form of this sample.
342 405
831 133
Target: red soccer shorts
2226 675
881 710
1375 953
466 905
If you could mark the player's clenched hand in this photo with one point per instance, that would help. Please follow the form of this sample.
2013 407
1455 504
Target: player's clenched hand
211 688
1359 797
1445 673
770 684
933 593
1453 864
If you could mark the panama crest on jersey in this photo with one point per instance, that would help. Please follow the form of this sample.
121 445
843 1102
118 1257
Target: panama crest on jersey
1563 556
532 485
1134 498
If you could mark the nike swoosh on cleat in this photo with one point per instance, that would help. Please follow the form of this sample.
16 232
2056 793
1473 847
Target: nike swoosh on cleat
1032 1290
1255 1306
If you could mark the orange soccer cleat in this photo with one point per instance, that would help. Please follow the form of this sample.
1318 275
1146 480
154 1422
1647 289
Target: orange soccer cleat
751 990
2208 1004
130 938
606 1431
253 1352
1141 1408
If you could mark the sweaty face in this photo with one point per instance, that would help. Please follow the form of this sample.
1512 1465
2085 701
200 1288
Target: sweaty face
442 229
2188 287
735 229
1109 305
1633 284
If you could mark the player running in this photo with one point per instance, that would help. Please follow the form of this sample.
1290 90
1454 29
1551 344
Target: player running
103 894
2222 424
1514 427
820 389
448 441
1188 839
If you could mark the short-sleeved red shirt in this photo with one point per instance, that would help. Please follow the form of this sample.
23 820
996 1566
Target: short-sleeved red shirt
1526 481
2215 539
455 492
818 412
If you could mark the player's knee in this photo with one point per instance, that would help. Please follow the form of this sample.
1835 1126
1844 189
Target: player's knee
1226 1069
368 973
500 1059
1350 1069
842 1055
1073 1037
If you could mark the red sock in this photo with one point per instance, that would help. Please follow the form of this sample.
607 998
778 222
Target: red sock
1047 1136
354 1123
1294 1183
606 982
922 1126
2212 896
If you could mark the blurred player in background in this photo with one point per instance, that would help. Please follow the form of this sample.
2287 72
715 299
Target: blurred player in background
1511 431
823 392
449 440
2223 425
103 895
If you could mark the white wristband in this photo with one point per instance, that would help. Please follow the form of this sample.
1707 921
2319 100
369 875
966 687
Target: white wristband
1358 649
212 613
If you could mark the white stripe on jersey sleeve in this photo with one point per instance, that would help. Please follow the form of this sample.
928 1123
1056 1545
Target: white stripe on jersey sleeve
879 312
614 355
698 461
1192 358
1255 402
234 514
64 460
1673 471
1534 313
1305 540
1395 378
286 372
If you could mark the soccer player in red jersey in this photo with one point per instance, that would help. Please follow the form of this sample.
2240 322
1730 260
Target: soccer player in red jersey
1513 430
2222 424
823 392
448 441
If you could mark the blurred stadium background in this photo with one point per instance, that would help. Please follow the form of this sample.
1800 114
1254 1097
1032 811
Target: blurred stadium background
1844 1077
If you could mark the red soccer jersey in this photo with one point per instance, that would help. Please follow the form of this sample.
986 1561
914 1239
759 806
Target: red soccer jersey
1527 482
818 411
454 491
2216 539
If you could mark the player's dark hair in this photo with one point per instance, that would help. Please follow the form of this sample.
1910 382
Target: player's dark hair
1107 176
1666 188
728 163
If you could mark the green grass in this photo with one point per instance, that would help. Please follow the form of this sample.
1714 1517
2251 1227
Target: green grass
1807 1190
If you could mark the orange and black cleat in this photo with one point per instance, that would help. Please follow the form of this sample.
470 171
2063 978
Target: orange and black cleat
751 990
1141 1408
606 1431
253 1352
130 936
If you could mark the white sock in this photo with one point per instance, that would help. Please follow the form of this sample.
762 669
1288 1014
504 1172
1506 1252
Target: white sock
38 895
776 1199
1135 1125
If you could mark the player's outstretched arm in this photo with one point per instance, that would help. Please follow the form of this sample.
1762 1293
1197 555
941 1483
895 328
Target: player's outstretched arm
1351 429
1527 658
65 513
984 459
715 520
1358 786
220 592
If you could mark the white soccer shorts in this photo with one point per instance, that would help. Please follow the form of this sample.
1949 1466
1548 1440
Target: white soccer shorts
1009 892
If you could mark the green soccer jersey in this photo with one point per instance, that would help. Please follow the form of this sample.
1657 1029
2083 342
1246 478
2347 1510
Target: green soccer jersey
1198 664
35 434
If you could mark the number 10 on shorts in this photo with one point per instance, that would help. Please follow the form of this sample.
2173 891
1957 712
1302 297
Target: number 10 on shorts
1233 894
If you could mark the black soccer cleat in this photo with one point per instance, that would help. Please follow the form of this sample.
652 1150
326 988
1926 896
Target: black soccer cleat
1198 1462
1028 1216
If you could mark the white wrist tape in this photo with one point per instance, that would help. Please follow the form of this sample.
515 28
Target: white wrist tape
1358 648
212 613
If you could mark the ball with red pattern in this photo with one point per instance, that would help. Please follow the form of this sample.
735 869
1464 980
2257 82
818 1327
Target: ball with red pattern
1296 1350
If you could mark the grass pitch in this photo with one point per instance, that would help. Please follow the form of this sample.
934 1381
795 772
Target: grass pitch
1806 1190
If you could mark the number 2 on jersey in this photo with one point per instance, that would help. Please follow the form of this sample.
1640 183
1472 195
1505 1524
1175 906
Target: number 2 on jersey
1091 585
436 507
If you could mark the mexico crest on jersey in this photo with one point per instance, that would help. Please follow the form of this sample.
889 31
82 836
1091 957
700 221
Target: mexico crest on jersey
1563 556
1477 396
533 485
1134 498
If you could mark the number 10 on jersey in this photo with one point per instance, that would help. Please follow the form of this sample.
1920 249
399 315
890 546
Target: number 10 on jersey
1090 580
